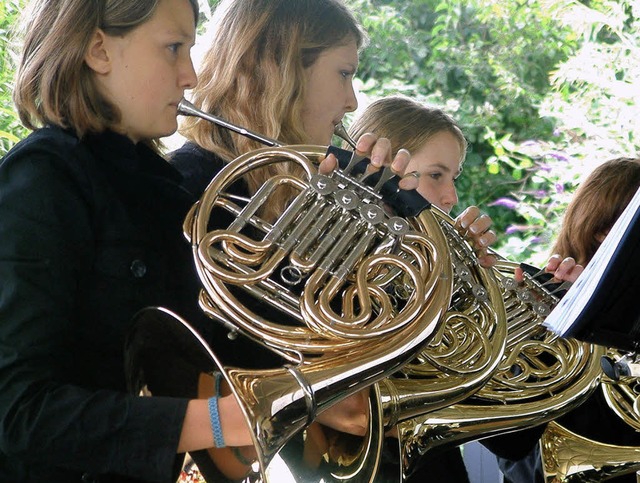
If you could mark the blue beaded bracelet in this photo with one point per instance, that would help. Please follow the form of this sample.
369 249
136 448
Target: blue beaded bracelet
214 415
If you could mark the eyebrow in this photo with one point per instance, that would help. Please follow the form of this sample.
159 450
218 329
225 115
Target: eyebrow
444 167
180 32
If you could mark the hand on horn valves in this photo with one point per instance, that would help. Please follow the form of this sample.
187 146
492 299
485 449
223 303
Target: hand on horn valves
476 227
378 150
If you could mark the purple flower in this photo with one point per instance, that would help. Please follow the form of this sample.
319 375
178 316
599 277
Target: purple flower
539 194
558 155
559 188
506 203
511 229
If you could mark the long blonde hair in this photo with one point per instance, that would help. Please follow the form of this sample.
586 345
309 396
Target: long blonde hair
596 206
54 85
253 72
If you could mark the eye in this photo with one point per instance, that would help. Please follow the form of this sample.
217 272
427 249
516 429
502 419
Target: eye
173 48
435 176
346 74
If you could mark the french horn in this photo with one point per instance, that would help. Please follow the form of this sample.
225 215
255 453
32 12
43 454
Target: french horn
569 457
329 268
529 377
540 377
468 345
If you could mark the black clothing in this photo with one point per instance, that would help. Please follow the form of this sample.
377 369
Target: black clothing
90 233
440 465
197 167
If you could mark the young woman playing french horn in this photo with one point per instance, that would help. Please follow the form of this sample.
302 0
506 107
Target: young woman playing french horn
284 69
438 150
593 210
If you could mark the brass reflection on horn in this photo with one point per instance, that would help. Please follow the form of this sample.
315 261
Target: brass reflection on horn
569 457
540 377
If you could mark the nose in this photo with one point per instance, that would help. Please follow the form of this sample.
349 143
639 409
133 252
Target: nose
351 103
449 197
188 78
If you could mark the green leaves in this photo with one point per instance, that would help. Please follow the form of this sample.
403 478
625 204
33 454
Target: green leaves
10 129
544 90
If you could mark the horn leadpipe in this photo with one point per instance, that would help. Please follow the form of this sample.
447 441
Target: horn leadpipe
340 131
186 108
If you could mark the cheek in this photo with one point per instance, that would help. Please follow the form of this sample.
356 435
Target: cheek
427 190
307 119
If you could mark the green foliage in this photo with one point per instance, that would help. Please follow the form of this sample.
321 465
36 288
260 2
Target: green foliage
10 129
542 90
594 102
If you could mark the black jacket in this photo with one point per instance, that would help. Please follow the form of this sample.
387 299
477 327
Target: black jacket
197 167
90 233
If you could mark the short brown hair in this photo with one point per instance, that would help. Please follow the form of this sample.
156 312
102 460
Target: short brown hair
53 83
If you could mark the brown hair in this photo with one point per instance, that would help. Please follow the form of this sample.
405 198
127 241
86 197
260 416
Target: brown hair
53 83
253 72
406 123
596 206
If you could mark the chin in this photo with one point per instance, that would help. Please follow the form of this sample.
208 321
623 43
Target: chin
169 130
321 139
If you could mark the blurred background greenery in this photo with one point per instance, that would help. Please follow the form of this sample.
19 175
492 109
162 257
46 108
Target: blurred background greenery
545 90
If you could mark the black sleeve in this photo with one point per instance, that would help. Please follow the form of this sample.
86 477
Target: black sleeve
197 167
47 417
515 445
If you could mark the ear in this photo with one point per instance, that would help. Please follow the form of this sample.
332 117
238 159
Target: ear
97 54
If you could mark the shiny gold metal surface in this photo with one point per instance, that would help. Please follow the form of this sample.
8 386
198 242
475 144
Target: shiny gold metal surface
570 457
467 347
540 377
331 268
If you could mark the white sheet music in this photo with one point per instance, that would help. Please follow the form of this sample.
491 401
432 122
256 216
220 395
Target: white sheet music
572 305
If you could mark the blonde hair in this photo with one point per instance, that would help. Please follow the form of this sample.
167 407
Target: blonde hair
596 206
253 72
406 123
54 85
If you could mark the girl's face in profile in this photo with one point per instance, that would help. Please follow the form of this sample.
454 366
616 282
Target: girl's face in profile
439 163
329 93
146 71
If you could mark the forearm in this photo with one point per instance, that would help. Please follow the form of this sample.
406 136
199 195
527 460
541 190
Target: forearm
197 432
